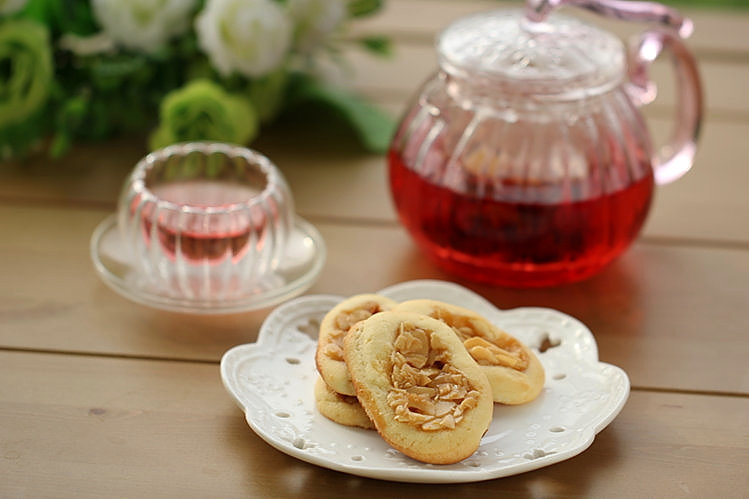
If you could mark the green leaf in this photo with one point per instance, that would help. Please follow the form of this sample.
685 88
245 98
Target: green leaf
372 126
63 16
362 8
72 113
17 140
60 145
110 72
378 45
267 94
69 120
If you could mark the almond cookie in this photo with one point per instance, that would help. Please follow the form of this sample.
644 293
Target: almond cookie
342 409
515 373
333 328
426 396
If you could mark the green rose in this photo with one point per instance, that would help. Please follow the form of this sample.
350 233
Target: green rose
202 110
25 70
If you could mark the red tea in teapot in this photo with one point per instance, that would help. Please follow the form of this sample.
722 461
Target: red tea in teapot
517 243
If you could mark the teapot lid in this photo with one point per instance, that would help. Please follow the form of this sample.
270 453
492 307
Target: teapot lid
560 55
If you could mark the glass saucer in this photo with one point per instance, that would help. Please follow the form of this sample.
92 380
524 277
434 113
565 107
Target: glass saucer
298 270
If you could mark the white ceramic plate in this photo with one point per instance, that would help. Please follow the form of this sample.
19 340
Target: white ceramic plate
300 267
272 381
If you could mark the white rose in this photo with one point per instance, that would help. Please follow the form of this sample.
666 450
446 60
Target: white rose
251 37
143 24
11 6
315 20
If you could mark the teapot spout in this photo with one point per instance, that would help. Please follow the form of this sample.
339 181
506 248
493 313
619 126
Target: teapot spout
643 12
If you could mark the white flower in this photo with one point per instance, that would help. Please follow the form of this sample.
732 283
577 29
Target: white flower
11 6
251 37
315 20
143 24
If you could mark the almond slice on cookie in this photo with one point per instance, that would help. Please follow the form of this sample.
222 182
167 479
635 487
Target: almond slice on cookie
514 372
426 396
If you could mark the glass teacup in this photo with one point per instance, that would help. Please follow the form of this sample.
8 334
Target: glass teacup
205 221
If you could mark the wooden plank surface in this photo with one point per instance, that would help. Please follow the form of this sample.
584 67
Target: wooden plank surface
643 319
93 427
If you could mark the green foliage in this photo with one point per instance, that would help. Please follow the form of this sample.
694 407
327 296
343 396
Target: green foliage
63 79
62 16
18 139
25 70
373 127
378 45
202 110
267 94
25 84
361 8
69 118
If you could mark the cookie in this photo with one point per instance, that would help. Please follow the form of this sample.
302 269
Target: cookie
425 395
342 409
333 328
514 372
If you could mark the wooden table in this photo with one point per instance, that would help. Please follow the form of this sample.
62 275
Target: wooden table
103 397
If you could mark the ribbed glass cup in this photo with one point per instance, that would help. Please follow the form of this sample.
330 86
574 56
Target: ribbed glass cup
205 221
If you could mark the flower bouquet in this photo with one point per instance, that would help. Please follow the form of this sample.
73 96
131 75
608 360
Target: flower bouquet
181 70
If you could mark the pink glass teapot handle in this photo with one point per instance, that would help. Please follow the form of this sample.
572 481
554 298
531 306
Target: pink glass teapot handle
643 12
675 158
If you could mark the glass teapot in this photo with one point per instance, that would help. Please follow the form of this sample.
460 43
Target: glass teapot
524 161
